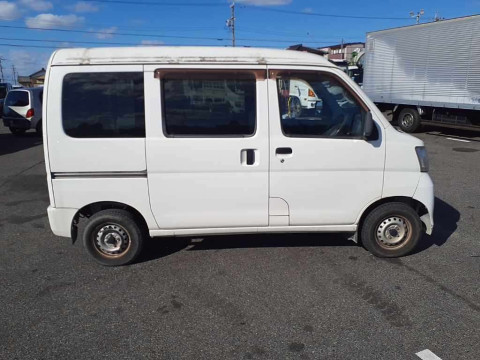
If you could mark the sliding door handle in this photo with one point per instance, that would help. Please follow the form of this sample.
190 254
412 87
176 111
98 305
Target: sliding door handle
284 151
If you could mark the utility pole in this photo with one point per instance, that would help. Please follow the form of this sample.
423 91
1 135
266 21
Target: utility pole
14 74
341 49
231 22
418 15
1 67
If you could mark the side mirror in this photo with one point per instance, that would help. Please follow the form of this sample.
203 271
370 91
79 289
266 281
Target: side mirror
368 126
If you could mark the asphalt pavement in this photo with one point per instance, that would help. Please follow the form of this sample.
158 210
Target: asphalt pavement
276 296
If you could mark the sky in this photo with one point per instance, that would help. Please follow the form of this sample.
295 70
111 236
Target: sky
30 30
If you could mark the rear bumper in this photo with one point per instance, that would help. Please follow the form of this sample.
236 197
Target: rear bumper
61 220
18 123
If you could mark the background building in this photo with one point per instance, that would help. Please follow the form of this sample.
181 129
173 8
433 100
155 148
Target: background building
343 51
35 79
300 47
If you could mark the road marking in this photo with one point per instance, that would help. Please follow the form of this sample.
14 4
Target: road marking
427 355
461 140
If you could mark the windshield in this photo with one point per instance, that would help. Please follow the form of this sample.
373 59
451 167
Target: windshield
3 92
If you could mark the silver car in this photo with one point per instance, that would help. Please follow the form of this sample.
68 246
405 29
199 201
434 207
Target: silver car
22 110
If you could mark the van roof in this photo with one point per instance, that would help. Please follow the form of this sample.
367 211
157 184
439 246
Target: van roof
184 55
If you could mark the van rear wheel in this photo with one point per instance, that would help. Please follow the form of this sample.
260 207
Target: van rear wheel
113 237
391 230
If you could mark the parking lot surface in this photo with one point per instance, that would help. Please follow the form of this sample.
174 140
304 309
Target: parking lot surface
241 297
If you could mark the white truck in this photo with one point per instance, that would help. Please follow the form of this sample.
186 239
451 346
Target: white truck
427 73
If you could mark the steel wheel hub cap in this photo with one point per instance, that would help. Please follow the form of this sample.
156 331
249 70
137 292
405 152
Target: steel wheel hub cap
112 240
392 231
407 120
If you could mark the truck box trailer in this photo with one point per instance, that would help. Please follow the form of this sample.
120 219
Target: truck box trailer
426 73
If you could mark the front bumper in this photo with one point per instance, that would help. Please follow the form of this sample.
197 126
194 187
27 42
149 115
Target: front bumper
424 193
61 220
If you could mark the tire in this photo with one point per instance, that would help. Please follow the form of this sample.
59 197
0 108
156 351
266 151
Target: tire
17 131
409 120
38 128
391 230
295 106
113 237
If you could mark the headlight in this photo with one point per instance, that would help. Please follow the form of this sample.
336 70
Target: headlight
422 158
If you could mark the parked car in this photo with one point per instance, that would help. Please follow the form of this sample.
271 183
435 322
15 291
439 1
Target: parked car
4 89
23 110
131 147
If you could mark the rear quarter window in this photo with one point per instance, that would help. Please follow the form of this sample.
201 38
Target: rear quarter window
103 105
17 98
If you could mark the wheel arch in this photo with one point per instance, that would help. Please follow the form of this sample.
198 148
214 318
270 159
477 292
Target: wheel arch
88 210
398 109
418 206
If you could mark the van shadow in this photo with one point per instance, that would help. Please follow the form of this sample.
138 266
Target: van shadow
158 248
445 220
10 143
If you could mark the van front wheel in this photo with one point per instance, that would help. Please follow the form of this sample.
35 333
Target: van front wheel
113 237
391 230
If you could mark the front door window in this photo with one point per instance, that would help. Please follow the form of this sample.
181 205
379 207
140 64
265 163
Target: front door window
318 105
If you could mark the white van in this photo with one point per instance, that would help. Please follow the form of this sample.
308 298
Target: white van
133 145
22 110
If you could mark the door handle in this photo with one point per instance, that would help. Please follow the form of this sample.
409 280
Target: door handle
284 151
247 157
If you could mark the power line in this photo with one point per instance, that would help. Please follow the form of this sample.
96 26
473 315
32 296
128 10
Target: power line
250 7
126 2
66 47
293 12
33 46
283 34
66 42
113 33
158 36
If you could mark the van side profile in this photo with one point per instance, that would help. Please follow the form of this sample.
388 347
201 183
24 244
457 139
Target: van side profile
178 141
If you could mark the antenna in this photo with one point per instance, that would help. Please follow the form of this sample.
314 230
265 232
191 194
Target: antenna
438 17
418 15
